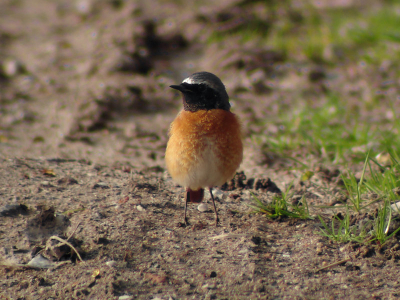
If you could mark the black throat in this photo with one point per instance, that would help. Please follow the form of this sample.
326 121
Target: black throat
202 97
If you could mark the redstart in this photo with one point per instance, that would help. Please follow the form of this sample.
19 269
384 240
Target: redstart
205 139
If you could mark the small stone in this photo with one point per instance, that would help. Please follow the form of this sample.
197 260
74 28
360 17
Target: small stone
111 263
396 207
202 207
125 297
10 67
60 220
140 208
383 158
218 193
40 262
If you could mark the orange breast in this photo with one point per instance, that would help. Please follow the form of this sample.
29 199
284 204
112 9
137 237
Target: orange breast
205 148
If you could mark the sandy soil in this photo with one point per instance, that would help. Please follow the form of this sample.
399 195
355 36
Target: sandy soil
85 108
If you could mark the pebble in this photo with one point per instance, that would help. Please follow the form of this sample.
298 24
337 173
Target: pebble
10 67
111 263
140 208
202 207
383 158
125 297
396 207
60 220
218 193
40 262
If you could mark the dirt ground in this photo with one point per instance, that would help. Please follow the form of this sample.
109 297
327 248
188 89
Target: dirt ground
84 113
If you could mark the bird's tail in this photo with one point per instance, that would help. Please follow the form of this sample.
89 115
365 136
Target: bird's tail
195 196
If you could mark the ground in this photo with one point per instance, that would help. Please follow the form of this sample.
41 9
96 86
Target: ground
84 115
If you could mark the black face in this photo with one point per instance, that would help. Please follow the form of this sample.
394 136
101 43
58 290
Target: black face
198 96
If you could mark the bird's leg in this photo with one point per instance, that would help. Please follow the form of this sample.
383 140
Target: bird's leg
215 210
187 199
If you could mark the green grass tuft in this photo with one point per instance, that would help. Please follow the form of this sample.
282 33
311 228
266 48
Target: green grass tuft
281 207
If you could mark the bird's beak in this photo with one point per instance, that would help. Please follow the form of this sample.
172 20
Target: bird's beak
178 87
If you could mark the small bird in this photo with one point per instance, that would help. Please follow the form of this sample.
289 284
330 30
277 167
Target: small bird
205 140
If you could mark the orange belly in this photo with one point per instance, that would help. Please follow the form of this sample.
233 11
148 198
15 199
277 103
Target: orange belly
205 148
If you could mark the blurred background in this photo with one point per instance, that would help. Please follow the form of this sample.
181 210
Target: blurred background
314 82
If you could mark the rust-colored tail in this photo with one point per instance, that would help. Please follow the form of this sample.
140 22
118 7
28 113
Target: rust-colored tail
195 196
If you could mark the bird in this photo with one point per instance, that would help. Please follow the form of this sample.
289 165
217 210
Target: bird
205 146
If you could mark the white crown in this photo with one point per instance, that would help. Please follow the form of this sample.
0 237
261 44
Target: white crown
188 80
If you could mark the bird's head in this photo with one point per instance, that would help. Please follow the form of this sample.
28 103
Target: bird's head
203 91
